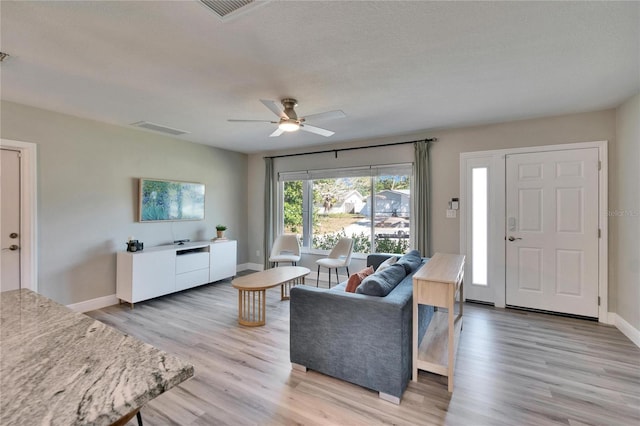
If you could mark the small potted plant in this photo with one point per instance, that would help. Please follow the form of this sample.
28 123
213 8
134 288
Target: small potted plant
220 230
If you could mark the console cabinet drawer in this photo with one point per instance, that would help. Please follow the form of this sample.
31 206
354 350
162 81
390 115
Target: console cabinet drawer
191 262
192 279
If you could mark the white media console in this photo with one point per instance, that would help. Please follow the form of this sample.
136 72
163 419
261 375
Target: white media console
161 270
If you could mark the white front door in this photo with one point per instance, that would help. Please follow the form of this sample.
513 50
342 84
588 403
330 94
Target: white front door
10 219
552 231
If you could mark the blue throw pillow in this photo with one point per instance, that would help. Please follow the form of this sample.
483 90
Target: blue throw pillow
410 261
381 283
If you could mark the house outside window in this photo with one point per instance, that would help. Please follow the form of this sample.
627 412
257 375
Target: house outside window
372 206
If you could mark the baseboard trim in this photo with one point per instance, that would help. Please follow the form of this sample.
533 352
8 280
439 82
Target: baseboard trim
250 266
627 329
104 301
93 304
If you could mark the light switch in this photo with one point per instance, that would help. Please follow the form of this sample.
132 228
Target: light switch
451 214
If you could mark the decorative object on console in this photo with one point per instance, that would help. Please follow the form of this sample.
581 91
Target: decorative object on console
134 245
181 242
220 232
161 200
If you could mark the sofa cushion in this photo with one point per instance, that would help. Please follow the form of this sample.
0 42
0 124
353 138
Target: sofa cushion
410 261
381 283
355 279
384 265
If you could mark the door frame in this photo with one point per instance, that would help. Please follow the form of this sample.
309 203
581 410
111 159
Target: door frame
497 203
28 211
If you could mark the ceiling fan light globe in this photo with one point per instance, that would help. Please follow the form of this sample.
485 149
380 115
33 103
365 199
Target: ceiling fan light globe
289 126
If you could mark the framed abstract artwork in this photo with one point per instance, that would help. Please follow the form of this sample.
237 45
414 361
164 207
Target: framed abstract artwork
167 200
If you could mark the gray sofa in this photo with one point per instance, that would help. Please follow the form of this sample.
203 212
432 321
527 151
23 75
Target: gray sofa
366 340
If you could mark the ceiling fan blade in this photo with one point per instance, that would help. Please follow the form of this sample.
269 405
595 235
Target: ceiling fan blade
329 115
275 108
276 132
251 121
316 130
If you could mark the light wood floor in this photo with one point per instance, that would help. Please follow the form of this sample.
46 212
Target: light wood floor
513 368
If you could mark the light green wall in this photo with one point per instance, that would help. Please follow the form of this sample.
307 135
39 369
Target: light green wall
87 195
625 211
445 155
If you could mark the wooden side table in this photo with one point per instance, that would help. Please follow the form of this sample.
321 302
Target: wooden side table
438 283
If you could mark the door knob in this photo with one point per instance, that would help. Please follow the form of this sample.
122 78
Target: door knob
13 235
512 238
13 247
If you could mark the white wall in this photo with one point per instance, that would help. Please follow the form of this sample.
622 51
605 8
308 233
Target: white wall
625 211
88 195
593 126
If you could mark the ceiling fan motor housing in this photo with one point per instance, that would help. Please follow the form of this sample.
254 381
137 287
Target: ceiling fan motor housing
289 104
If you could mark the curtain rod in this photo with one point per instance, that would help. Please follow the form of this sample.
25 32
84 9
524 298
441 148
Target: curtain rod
335 151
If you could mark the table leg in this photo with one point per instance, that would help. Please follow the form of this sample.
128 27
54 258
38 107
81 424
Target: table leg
416 321
251 307
461 295
451 314
125 419
285 288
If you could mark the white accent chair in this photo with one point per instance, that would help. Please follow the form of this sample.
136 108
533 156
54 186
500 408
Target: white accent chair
339 257
286 248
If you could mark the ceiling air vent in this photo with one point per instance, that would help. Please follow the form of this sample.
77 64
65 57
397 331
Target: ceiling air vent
159 128
227 9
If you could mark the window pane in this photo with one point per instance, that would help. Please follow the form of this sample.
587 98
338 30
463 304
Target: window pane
479 224
392 214
338 212
323 210
293 207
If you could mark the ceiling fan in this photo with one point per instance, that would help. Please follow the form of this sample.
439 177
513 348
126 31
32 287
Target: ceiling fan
289 120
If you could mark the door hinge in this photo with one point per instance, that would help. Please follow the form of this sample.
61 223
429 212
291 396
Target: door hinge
599 233
599 165
598 300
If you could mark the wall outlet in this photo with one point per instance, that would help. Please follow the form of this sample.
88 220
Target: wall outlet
451 214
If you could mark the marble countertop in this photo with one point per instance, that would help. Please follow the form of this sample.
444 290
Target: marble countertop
59 367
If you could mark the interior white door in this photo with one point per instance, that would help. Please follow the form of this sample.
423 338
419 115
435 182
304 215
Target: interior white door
10 219
552 231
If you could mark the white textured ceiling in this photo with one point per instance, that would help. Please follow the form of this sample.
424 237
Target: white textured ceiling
393 67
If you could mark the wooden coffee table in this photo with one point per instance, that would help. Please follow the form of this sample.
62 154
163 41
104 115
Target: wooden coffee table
252 291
